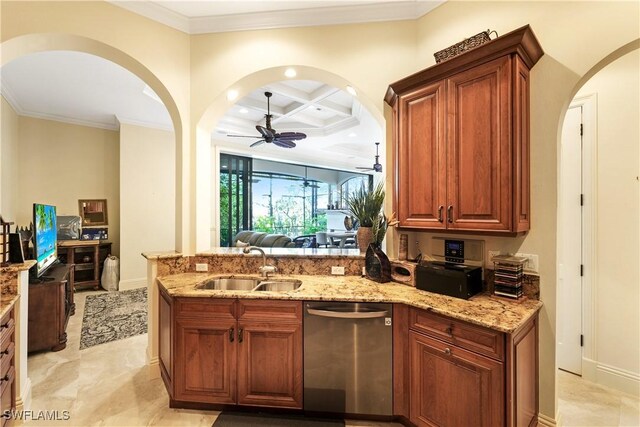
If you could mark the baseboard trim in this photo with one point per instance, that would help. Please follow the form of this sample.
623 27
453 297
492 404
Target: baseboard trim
153 369
546 421
129 284
610 376
23 402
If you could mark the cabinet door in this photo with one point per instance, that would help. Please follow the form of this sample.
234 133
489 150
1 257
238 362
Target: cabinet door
421 168
205 360
479 168
270 364
454 387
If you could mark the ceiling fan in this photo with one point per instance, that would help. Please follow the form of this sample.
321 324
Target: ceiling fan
269 134
377 166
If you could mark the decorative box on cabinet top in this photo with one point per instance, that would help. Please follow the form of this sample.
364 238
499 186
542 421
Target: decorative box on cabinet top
461 140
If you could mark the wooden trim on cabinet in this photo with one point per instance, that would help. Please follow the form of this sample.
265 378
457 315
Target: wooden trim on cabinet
521 155
401 379
522 375
521 42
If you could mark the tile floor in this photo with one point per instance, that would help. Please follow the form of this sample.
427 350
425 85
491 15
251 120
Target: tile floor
583 403
107 385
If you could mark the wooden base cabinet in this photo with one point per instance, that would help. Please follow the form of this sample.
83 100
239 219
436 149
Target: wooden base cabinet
459 374
454 387
7 365
461 139
226 351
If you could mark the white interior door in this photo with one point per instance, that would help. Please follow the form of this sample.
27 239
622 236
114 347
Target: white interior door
570 277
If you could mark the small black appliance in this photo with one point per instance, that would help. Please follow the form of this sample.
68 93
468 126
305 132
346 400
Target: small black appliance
454 280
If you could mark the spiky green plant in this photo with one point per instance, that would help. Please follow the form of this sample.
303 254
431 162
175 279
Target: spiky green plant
366 205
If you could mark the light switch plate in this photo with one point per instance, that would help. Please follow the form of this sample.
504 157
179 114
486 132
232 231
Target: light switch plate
531 265
337 271
202 267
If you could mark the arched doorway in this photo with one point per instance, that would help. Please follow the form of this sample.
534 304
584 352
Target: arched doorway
206 190
34 43
597 324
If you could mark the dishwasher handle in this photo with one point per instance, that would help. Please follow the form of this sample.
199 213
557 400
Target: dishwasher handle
347 314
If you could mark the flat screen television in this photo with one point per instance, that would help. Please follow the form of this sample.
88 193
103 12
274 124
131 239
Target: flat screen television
45 237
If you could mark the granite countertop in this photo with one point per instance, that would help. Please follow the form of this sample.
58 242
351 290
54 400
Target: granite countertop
7 305
483 309
14 268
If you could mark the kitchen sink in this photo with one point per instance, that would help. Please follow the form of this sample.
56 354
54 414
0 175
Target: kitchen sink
230 284
250 284
278 285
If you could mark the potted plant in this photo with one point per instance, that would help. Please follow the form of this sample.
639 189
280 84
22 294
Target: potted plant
366 205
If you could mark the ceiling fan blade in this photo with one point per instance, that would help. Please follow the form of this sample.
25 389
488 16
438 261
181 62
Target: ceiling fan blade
257 143
266 133
243 136
290 136
364 169
284 144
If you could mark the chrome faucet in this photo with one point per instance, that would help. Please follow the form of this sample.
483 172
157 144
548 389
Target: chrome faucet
265 269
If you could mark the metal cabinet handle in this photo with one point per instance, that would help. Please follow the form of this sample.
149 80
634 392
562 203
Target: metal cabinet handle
231 335
450 330
4 326
440 208
447 351
240 330
450 214
5 378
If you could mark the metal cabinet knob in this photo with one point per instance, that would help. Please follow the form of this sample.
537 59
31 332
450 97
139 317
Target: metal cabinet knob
447 351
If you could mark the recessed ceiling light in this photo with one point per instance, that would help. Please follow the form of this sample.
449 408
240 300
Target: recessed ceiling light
351 90
353 135
290 72
232 94
244 110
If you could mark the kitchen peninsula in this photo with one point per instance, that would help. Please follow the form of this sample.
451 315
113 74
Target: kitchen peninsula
452 358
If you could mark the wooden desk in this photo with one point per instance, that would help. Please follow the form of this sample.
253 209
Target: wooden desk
88 257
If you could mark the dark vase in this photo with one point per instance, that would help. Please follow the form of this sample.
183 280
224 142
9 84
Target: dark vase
376 264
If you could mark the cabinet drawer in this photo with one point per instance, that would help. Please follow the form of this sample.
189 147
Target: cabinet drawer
7 379
205 307
6 359
6 399
270 310
7 327
462 334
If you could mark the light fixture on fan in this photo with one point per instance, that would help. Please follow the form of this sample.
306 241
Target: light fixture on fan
377 166
270 135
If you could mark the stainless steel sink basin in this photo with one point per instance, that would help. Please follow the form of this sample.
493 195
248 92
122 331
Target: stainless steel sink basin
230 284
250 284
278 285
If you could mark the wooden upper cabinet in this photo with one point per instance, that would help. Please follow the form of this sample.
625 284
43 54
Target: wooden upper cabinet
421 158
461 138
479 133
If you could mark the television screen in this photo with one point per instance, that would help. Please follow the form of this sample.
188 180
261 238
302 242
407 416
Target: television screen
45 236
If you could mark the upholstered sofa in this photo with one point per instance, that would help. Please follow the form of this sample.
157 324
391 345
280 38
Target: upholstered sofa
263 240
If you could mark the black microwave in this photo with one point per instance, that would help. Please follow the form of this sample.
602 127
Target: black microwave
454 280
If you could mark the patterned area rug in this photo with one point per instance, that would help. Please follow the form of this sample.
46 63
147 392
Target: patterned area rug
113 316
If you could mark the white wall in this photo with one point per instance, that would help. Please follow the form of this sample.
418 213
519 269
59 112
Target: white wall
616 287
147 199
60 163
8 162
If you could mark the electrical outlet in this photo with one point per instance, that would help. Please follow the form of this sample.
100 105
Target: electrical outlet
202 267
531 265
337 271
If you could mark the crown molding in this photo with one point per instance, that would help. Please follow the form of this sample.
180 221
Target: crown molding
8 95
156 13
380 12
141 123
69 120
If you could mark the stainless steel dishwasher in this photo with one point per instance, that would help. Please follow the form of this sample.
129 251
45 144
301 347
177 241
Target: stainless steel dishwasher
348 358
